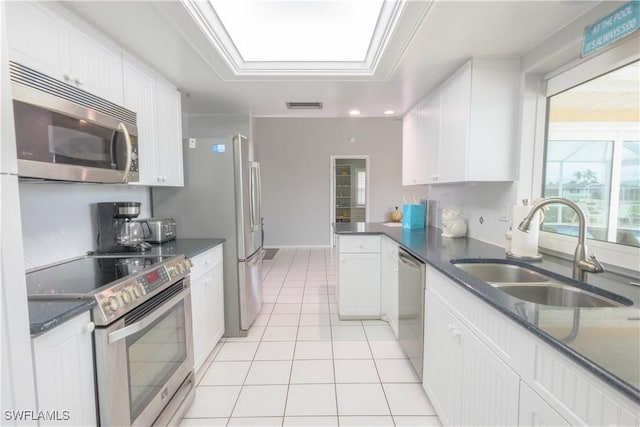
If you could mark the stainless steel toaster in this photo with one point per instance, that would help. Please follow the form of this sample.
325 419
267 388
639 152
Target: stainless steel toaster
161 229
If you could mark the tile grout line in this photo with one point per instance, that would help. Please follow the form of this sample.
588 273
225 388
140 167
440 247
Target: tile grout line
295 346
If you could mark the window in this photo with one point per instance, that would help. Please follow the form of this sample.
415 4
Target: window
361 184
592 157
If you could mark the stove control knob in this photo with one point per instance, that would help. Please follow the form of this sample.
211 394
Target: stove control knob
139 290
113 303
126 296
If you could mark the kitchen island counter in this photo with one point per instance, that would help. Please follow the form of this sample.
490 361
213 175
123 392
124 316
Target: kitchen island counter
607 339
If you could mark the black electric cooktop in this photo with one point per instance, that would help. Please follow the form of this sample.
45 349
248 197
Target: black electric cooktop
85 275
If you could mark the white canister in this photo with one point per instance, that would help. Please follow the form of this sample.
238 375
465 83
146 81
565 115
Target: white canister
453 225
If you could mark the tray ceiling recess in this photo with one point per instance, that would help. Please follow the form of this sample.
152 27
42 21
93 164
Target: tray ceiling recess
350 38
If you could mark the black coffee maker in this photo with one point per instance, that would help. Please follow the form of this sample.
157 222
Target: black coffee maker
116 230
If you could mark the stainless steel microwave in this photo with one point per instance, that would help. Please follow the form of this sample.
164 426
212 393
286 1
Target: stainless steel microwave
65 133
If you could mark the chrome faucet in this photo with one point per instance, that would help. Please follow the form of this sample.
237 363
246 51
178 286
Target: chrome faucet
583 263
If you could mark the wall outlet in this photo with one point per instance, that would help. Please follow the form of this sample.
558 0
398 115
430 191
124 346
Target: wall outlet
192 143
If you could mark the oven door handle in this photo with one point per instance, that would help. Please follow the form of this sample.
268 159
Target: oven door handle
146 321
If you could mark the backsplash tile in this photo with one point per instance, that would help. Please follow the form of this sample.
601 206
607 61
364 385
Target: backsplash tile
59 220
483 206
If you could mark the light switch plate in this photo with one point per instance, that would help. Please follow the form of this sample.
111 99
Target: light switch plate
192 143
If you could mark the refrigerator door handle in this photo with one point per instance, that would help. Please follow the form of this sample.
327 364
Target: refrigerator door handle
258 257
259 210
254 199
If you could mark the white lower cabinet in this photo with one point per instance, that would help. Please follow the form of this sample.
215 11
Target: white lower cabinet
534 411
482 368
359 276
207 302
389 282
466 381
63 366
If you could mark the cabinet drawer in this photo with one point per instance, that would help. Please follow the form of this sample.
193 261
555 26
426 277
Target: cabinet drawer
205 261
359 244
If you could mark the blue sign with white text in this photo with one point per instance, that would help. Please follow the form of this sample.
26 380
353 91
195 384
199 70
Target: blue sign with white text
218 148
618 24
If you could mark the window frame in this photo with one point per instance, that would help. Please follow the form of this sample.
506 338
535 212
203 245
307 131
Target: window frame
559 80
358 189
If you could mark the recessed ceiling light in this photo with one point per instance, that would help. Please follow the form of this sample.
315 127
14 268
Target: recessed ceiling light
389 112
354 112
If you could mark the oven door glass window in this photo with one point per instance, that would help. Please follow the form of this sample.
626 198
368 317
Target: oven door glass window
154 355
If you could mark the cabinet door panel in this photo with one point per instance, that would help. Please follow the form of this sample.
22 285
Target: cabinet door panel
409 142
139 96
534 411
218 304
63 364
389 283
38 38
199 313
455 108
489 387
359 291
169 136
442 358
428 144
95 67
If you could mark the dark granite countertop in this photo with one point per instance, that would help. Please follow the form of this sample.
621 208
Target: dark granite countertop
46 315
607 340
186 247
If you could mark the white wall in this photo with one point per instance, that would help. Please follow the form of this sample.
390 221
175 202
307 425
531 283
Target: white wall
215 125
296 169
59 220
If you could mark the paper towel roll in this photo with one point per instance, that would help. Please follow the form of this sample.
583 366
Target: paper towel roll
524 244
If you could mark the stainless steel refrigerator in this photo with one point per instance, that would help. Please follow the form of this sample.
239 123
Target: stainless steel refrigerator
221 199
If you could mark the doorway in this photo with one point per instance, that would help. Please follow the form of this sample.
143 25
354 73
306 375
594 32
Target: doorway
349 190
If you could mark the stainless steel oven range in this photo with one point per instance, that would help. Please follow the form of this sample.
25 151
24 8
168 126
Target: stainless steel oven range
143 337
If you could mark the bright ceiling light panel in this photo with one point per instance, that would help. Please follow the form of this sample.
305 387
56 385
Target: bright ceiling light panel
298 37
329 30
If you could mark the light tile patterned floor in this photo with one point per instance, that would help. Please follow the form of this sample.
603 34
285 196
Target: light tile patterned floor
302 366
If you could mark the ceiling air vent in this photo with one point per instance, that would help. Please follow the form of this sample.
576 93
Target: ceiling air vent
304 105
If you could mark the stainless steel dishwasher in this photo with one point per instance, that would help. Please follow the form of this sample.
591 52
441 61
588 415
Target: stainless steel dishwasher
411 282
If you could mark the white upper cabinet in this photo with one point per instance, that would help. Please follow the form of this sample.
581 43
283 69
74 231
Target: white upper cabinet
428 145
41 38
139 90
38 38
466 128
159 114
95 66
169 135
409 142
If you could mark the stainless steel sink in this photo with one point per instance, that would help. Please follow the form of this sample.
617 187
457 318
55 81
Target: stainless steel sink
529 285
557 295
502 273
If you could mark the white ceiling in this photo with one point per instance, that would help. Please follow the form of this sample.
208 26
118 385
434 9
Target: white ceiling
450 32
